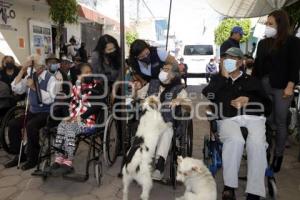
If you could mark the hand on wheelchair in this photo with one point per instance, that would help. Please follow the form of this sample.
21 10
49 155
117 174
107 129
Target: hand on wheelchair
240 102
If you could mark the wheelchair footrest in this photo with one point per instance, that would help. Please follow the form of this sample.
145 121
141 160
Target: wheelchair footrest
76 177
40 173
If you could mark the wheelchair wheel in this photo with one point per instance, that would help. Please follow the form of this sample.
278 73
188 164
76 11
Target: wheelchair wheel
13 113
272 188
98 172
206 154
110 141
173 164
189 137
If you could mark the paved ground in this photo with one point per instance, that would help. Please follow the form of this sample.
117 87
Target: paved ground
18 185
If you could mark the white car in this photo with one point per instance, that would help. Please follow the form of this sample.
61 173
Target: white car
197 56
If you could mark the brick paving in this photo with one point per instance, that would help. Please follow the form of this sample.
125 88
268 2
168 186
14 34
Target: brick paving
18 185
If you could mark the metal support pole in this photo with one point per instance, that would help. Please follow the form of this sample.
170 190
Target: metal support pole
169 22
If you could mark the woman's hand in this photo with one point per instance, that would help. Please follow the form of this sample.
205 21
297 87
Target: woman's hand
240 102
175 102
289 90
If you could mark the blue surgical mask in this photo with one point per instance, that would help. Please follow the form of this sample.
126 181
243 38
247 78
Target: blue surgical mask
230 65
54 67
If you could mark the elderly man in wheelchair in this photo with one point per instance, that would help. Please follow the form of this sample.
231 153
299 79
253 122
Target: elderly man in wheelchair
240 101
172 94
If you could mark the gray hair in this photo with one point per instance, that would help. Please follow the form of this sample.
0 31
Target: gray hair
175 70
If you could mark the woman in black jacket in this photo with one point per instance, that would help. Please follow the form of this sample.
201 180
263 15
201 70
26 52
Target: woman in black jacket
277 65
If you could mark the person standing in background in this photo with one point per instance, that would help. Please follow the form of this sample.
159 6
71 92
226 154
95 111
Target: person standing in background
183 69
83 53
233 41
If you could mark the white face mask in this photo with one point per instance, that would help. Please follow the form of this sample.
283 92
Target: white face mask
270 32
163 76
230 65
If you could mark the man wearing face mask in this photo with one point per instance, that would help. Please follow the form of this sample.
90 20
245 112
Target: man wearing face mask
172 93
38 111
147 61
240 101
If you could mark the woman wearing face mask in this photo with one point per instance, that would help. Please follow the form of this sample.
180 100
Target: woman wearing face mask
277 65
147 61
9 70
106 58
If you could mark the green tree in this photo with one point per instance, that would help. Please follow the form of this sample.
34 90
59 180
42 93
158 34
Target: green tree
62 12
294 14
222 32
131 36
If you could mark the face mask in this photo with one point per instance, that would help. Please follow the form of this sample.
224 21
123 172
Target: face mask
270 32
88 79
9 65
230 65
163 76
146 60
112 56
211 63
54 67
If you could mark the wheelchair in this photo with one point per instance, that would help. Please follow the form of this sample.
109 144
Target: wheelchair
182 141
212 153
294 118
14 112
103 143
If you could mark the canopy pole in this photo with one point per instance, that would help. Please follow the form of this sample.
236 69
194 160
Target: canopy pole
169 22
122 46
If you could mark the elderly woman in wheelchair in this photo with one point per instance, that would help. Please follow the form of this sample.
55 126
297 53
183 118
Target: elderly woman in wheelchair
172 94
240 101
82 119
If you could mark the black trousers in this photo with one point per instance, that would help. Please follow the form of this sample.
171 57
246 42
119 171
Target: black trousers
35 121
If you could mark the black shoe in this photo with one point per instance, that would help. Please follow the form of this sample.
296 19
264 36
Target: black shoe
276 164
29 165
14 162
228 194
66 169
252 197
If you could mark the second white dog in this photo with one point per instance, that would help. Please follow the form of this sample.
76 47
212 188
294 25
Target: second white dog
138 162
199 183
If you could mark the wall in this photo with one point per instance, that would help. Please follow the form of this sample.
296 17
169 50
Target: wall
24 12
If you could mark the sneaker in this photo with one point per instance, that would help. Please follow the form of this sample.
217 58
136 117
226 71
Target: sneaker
157 175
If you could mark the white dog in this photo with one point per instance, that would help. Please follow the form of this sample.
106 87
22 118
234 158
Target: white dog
199 183
139 158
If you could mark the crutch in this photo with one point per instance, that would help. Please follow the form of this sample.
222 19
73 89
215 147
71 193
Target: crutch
24 132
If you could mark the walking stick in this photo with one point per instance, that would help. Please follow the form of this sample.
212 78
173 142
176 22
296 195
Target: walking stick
24 132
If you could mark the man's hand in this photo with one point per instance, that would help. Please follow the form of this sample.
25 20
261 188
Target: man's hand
240 102
289 90
175 102
30 84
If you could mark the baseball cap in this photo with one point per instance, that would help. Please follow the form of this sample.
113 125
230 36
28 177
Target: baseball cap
238 29
236 52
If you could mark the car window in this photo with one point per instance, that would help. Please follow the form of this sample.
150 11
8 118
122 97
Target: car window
198 50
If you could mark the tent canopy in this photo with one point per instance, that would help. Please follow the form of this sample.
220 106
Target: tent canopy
247 8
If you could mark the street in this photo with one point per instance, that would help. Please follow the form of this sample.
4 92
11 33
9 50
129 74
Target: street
18 185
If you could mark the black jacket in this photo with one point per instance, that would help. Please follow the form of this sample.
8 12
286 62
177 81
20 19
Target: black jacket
280 64
221 91
228 44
